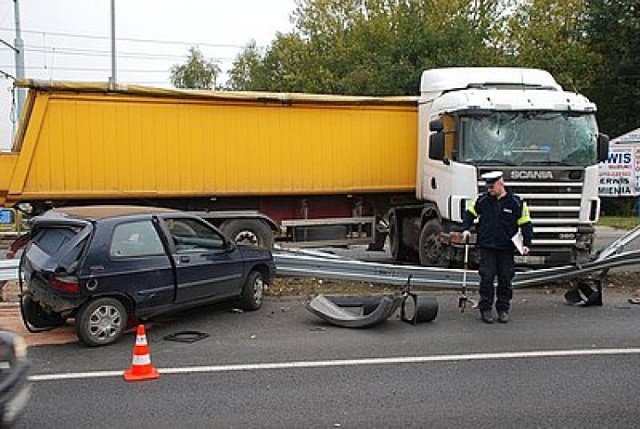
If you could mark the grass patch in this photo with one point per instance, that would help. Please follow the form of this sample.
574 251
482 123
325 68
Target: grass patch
621 222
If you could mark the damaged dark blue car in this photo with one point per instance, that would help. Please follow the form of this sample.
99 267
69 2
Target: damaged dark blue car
108 265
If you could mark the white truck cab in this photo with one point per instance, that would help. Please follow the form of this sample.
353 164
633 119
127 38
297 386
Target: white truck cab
520 121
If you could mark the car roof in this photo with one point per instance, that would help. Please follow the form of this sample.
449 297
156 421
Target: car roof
105 211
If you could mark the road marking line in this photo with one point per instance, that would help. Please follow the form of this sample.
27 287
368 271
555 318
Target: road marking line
349 362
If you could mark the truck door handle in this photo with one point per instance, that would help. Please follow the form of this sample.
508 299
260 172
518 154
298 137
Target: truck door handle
185 259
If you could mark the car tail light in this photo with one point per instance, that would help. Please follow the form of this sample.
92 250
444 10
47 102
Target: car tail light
65 284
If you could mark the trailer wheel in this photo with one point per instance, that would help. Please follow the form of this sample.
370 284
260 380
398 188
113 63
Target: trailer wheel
248 231
432 251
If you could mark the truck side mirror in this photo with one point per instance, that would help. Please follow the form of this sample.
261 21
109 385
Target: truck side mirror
603 147
436 125
436 146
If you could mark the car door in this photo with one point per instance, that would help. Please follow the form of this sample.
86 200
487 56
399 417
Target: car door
138 264
207 266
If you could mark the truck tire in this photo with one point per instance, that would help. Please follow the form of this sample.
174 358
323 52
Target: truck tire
101 321
253 291
432 251
398 251
248 231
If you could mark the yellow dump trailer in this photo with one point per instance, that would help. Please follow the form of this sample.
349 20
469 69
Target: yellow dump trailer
289 156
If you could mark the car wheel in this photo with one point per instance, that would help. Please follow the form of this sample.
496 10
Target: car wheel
253 291
101 321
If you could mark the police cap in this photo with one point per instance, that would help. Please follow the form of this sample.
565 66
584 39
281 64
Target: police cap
492 177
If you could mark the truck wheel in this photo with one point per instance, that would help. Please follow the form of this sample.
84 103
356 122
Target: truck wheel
432 251
101 321
253 291
248 231
398 251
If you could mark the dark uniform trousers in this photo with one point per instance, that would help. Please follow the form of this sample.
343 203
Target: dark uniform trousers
492 263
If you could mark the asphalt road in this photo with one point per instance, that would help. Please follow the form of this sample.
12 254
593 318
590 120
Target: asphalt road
552 366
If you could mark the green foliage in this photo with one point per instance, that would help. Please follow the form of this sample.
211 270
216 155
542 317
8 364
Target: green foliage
548 34
620 222
196 73
613 28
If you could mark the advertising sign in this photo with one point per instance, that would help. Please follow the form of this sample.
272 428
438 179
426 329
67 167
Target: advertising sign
618 175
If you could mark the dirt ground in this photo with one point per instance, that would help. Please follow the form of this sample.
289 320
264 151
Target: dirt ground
623 282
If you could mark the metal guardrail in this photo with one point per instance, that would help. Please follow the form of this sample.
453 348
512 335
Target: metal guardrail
8 269
314 264
291 265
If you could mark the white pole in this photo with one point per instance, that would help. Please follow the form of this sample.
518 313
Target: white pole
113 79
19 52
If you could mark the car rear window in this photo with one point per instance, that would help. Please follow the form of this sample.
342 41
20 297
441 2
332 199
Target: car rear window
51 239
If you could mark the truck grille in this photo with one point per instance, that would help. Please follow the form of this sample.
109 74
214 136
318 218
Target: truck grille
548 202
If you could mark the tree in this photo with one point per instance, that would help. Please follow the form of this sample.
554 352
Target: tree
548 34
245 73
613 27
196 73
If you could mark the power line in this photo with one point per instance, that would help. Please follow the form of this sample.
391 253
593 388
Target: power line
7 44
128 39
88 69
101 53
7 75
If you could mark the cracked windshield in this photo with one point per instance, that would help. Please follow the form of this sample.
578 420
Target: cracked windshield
518 138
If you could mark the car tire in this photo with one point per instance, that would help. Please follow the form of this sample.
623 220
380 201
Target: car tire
253 291
101 321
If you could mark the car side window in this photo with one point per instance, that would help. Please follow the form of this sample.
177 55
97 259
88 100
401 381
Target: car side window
138 238
189 235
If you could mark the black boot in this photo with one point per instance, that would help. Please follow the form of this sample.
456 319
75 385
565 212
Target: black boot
487 316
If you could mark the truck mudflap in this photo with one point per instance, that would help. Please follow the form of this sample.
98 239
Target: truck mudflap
372 310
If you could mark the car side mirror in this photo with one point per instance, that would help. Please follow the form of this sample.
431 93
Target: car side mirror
229 246
436 125
603 147
436 146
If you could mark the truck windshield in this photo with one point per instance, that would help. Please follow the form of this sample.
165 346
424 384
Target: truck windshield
520 138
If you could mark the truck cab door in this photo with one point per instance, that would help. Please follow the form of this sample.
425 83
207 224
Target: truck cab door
207 265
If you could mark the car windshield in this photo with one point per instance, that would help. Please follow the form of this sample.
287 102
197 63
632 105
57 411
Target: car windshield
520 138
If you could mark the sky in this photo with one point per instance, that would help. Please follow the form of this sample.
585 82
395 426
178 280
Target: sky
71 39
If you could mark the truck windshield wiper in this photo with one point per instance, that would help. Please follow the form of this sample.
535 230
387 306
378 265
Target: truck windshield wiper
494 161
563 163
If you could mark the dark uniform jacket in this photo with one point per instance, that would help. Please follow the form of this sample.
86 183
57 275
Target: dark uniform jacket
499 220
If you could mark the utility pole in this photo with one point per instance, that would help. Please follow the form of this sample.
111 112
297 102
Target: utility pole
19 53
112 79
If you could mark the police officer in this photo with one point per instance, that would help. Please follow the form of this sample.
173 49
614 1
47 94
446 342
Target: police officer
500 213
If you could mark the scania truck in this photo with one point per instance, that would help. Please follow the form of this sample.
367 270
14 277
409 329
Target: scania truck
318 170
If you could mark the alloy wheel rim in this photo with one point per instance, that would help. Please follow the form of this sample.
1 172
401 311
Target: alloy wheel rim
105 322
246 237
258 290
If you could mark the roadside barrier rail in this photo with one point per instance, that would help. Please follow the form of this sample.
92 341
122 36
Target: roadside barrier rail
305 263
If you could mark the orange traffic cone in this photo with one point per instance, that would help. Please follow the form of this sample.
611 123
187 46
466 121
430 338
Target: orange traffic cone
141 368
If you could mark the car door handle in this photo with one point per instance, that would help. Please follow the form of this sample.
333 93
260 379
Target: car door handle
185 259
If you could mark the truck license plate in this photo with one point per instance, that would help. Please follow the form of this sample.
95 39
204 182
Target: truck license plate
529 260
